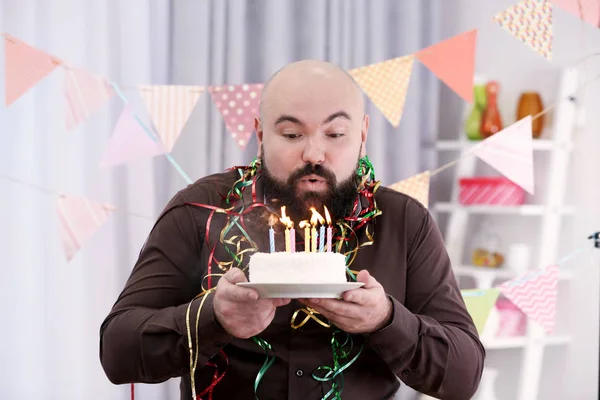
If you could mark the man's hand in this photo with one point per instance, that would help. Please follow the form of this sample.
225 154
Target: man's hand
363 310
239 310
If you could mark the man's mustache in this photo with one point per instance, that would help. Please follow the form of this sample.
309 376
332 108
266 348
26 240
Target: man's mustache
310 169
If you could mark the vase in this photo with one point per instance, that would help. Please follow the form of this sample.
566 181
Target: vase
473 121
530 103
491 121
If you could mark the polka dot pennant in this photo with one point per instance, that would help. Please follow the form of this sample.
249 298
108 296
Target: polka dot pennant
238 105
416 187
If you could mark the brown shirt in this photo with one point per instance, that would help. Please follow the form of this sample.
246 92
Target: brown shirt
431 343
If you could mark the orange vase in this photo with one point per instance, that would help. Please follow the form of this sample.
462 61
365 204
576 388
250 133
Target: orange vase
530 103
491 121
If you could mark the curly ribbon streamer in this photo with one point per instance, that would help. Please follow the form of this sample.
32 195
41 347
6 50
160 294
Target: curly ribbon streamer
310 314
268 362
339 356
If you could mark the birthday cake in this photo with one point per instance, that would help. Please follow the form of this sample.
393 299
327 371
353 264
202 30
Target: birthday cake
300 267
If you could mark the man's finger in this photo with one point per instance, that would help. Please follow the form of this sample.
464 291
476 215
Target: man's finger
341 309
357 296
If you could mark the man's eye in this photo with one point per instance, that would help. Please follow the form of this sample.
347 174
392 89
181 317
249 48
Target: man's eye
335 135
291 135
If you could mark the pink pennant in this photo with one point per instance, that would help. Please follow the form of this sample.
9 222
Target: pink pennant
238 105
130 142
535 294
170 107
85 93
25 66
79 219
510 151
589 11
453 61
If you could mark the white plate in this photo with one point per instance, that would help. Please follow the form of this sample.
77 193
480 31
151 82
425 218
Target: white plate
301 290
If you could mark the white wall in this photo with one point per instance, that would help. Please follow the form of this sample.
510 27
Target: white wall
570 372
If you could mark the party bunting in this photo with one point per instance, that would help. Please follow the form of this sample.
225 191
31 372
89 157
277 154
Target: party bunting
416 186
589 11
531 22
25 66
535 294
386 84
453 61
510 151
238 105
130 142
85 93
170 107
479 304
79 219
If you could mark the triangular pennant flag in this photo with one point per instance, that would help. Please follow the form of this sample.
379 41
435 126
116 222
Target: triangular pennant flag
386 84
416 186
531 22
129 142
238 105
25 66
535 294
453 61
589 11
170 107
510 151
85 93
479 304
79 219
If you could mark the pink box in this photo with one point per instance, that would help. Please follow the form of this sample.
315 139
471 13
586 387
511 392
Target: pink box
490 191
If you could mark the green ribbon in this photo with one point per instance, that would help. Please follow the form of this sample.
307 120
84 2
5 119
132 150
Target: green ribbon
339 356
269 360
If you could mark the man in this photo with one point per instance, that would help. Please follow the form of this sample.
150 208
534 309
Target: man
408 322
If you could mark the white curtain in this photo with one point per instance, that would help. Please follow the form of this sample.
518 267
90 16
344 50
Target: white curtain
51 310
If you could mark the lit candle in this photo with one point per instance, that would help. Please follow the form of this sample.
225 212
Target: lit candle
322 238
271 237
316 218
329 233
306 226
288 224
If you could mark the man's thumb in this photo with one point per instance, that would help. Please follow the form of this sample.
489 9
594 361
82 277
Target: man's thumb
235 275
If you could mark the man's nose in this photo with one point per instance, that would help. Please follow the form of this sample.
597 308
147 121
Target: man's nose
314 153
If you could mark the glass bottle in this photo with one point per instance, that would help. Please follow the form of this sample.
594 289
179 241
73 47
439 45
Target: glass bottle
491 121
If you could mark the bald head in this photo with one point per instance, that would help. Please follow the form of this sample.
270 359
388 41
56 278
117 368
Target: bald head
309 76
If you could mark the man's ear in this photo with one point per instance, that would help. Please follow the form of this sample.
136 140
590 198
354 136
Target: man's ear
363 135
259 134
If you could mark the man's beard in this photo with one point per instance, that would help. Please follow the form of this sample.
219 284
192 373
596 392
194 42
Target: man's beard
338 198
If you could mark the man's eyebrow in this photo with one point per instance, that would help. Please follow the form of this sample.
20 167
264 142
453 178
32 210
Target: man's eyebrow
338 114
288 118
294 120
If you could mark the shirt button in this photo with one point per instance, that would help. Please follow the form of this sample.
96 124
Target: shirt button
299 372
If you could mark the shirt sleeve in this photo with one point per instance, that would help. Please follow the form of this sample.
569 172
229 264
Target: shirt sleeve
144 337
431 343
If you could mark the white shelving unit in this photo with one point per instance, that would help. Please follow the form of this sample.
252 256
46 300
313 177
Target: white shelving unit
547 215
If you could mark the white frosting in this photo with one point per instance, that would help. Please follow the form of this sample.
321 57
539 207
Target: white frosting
300 267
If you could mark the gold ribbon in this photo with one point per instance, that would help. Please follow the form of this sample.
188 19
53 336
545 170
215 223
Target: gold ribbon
310 314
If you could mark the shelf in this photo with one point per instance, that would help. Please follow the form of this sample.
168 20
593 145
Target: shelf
526 209
520 342
500 273
454 145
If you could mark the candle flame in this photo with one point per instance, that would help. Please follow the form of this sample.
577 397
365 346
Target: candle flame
327 217
316 217
272 220
303 224
285 219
